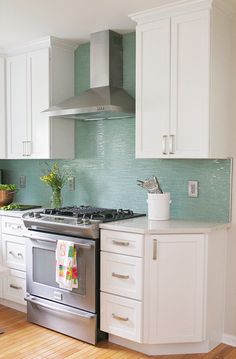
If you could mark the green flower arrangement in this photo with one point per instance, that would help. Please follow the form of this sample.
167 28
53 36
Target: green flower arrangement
55 178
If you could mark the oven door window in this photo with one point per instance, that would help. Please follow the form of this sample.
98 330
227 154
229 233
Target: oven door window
44 269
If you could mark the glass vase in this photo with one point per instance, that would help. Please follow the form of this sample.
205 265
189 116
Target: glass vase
56 198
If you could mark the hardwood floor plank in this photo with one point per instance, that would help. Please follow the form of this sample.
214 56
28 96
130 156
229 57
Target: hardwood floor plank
24 340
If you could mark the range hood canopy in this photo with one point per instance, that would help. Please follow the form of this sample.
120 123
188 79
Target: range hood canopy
106 98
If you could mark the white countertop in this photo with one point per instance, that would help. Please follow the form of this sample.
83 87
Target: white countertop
17 213
145 226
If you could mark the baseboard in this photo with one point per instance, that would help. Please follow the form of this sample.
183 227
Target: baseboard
13 305
229 339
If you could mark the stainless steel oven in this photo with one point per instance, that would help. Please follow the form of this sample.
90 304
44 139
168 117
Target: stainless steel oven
76 310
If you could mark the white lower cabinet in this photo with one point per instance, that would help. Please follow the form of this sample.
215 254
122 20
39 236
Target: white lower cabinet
175 300
13 257
165 299
14 287
122 284
121 316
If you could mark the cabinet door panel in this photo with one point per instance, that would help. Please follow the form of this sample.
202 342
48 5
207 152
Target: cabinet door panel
16 105
190 54
175 303
2 110
153 88
38 83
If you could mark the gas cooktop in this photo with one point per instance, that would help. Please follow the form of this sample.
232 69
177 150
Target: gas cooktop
75 220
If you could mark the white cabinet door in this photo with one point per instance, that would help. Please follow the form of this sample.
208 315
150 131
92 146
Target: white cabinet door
17 114
2 110
174 282
153 89
190 87
38 100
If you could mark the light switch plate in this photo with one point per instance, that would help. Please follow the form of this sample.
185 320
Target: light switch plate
193 189
22 181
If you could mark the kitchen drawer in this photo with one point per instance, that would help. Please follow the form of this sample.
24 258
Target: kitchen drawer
12 225
14 287
122 242
13 251
122 275
121 317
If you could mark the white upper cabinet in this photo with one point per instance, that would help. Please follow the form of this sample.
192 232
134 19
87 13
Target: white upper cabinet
2 109
183 81
37 79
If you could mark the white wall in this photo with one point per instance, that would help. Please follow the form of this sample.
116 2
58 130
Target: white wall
230 305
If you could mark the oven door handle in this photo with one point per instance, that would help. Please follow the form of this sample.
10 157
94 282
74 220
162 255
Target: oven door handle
34 301
40 239
81 245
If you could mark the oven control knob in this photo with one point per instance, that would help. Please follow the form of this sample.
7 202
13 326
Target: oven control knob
86 221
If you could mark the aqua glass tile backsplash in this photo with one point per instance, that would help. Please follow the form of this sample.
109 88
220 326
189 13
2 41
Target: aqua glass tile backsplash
106 169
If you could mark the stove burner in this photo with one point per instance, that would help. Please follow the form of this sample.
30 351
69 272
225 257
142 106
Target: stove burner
89 212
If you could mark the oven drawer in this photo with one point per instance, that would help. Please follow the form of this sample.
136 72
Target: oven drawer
14 287
121 317
13 251
122 275
12 225
67 320
122 242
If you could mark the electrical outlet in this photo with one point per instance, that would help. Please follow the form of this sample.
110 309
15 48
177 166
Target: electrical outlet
22 181
71 183
193 189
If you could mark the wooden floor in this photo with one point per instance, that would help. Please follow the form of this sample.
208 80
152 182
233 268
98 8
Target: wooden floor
23 340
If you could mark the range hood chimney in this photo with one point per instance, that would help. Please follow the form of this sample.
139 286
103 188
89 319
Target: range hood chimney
106 98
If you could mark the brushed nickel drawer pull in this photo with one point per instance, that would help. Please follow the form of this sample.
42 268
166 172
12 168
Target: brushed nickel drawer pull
15 287
122 276
164 139
124 319
154 254
172 144
121 243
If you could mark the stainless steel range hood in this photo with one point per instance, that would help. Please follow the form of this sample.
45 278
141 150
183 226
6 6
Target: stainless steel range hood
106 99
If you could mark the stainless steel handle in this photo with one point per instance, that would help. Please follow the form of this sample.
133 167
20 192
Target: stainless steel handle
154 250
172 144
121 243
33 300
124 319
26 148
164 139
122 276
82 245
48 240
15 287
16 255
40 239
15 226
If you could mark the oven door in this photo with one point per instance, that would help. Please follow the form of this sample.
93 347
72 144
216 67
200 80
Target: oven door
41 270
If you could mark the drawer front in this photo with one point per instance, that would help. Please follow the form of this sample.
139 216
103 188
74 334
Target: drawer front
121 317
14 287
122 275
122 242
12 225
13 252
